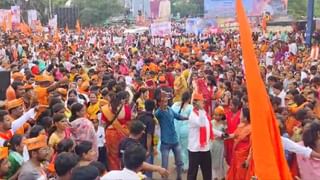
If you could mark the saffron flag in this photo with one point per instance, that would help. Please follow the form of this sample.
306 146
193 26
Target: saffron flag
56 37
9 25
78 27
268 154
25 29
66 29
4 24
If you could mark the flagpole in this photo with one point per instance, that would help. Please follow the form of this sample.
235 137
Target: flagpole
309 30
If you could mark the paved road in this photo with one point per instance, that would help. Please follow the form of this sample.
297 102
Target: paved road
173 174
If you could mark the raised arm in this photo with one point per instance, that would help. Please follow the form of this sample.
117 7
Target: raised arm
21 120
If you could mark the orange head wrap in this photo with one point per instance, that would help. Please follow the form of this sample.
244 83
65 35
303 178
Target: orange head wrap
14 103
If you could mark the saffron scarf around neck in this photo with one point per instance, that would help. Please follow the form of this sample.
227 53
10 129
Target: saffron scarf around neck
203 130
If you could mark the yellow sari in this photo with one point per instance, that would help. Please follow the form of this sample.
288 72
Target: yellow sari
93 109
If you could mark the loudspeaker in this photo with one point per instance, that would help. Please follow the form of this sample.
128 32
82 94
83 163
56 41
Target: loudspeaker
4 83
67 16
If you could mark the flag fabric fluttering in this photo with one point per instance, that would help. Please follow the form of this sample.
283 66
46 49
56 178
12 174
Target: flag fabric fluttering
78 27
9 25
66 29
268 153
25 29
4 24
56 36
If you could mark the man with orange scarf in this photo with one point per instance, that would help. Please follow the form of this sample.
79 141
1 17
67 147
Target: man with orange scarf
199 142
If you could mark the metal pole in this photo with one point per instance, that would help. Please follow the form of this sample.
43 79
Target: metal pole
309 29
50 11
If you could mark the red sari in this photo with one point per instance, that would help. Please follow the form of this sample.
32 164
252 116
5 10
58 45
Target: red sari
115 133
241 150
233 121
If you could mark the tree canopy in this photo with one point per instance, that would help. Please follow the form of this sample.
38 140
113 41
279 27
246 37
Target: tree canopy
94 12
298 8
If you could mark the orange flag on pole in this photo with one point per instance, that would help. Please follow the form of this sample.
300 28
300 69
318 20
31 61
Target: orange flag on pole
9 25
78 27
268 154
4 24
56 37
25 29
66 29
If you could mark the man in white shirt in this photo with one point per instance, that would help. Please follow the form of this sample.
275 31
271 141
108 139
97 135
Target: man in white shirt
8 128
293 48
269 57
133 157
199 146
278 91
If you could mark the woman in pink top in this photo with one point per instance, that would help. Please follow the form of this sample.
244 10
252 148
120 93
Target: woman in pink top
309 167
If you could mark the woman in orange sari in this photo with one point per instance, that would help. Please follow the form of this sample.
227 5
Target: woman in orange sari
116 116
241 148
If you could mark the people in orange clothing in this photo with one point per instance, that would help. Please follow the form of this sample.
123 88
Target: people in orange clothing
15 90
17 78
16 109
241 148
150 66
4 162
312 98
46 85
116 116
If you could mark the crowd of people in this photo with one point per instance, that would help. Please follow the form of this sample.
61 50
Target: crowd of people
80 106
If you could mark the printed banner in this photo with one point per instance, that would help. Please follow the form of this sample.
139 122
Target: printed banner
140 7
225 8
4 14
200 25
161 29
32 16
53 23
15 10
160 9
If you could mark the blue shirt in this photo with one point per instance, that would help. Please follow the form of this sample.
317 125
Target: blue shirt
166 122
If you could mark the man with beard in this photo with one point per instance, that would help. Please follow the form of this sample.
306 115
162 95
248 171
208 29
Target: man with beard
38 152
313 100
8 128
15 109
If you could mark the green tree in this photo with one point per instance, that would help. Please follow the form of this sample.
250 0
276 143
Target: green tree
93 12
186 7
298 8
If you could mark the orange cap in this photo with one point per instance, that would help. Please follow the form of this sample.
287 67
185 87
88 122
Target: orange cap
219 110
4 152
36 143
14 103
44 78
